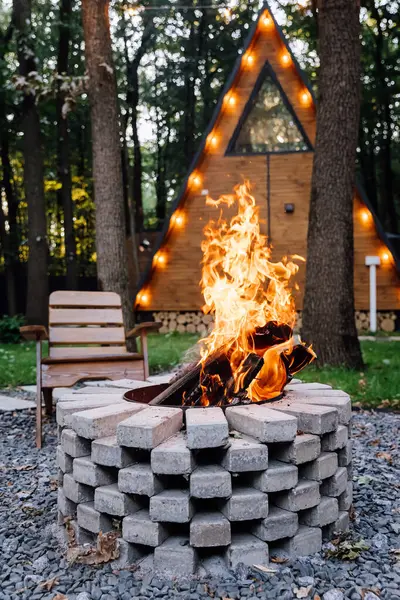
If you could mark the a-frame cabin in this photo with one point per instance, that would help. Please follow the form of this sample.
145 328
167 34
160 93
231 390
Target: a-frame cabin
263 130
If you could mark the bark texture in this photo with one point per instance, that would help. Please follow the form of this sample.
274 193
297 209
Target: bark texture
37 292
329 317
63 160
112 259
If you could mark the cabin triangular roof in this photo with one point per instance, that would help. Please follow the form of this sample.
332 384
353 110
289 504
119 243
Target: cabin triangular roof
184 188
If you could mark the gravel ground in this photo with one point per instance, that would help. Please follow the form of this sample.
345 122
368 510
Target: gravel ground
33 553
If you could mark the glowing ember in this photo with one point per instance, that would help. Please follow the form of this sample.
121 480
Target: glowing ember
252 303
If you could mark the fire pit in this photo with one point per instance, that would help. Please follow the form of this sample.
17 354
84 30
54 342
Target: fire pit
185 483
233 456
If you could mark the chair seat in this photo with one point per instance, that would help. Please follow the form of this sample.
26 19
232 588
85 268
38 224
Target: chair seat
128 356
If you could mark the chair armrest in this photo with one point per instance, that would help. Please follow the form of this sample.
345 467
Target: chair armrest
148 327
34 332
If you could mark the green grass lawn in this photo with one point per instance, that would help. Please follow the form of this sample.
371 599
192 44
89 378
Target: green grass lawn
378 385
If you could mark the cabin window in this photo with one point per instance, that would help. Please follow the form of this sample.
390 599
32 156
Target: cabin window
268 123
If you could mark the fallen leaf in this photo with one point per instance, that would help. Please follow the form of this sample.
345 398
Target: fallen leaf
106 550
364 591
279 559
53 485
264 569
60 596
316 597
375 442
24 468
302 592
385 456
50 583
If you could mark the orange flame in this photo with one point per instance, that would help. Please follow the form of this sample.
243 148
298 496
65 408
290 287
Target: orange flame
247 292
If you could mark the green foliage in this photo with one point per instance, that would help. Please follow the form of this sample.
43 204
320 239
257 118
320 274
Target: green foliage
9 329
345 547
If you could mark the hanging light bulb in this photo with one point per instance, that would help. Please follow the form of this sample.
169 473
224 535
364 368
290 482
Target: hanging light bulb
305 98
386 256
195 179
160 259
267 22
248 59
365 215
285 58
143 298
212 140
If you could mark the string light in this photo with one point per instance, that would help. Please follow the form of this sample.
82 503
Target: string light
305 98
248 59
195 179
177 219
267 22
285 58
143 298
365 216
230 99
160 258
386 256
212 140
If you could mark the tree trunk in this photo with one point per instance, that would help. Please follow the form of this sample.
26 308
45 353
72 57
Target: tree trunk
9 239
112 258
37 289
329 315
63 162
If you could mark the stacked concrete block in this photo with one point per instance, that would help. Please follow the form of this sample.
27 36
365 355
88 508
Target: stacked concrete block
234 481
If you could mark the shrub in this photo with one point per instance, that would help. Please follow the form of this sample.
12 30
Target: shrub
9 329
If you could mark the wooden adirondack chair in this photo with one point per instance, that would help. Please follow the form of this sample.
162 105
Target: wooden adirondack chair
86 341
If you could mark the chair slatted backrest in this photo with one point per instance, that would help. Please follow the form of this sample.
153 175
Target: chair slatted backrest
85 324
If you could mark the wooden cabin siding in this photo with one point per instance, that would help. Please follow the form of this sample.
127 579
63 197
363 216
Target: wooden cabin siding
175 286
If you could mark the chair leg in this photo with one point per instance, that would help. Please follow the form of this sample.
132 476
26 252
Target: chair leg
48 400
38 394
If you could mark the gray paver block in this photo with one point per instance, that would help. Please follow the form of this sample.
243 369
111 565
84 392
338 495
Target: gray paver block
333 398
262 423
247 549
150 427
73 404
327 511
173 457
128 554
279 476
308 540
174 506
77 492
335 485
302 387
108 499
246 504
91 519
322 467
305 495
279 524
64 460
102 422
245 455
310 418
66 506
345 455
346 498
304 448
208 530
87 472
210 481
139 529
206 428
107 452
335 440
139 479
73 444
350 471
341 524
175 558
82 536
